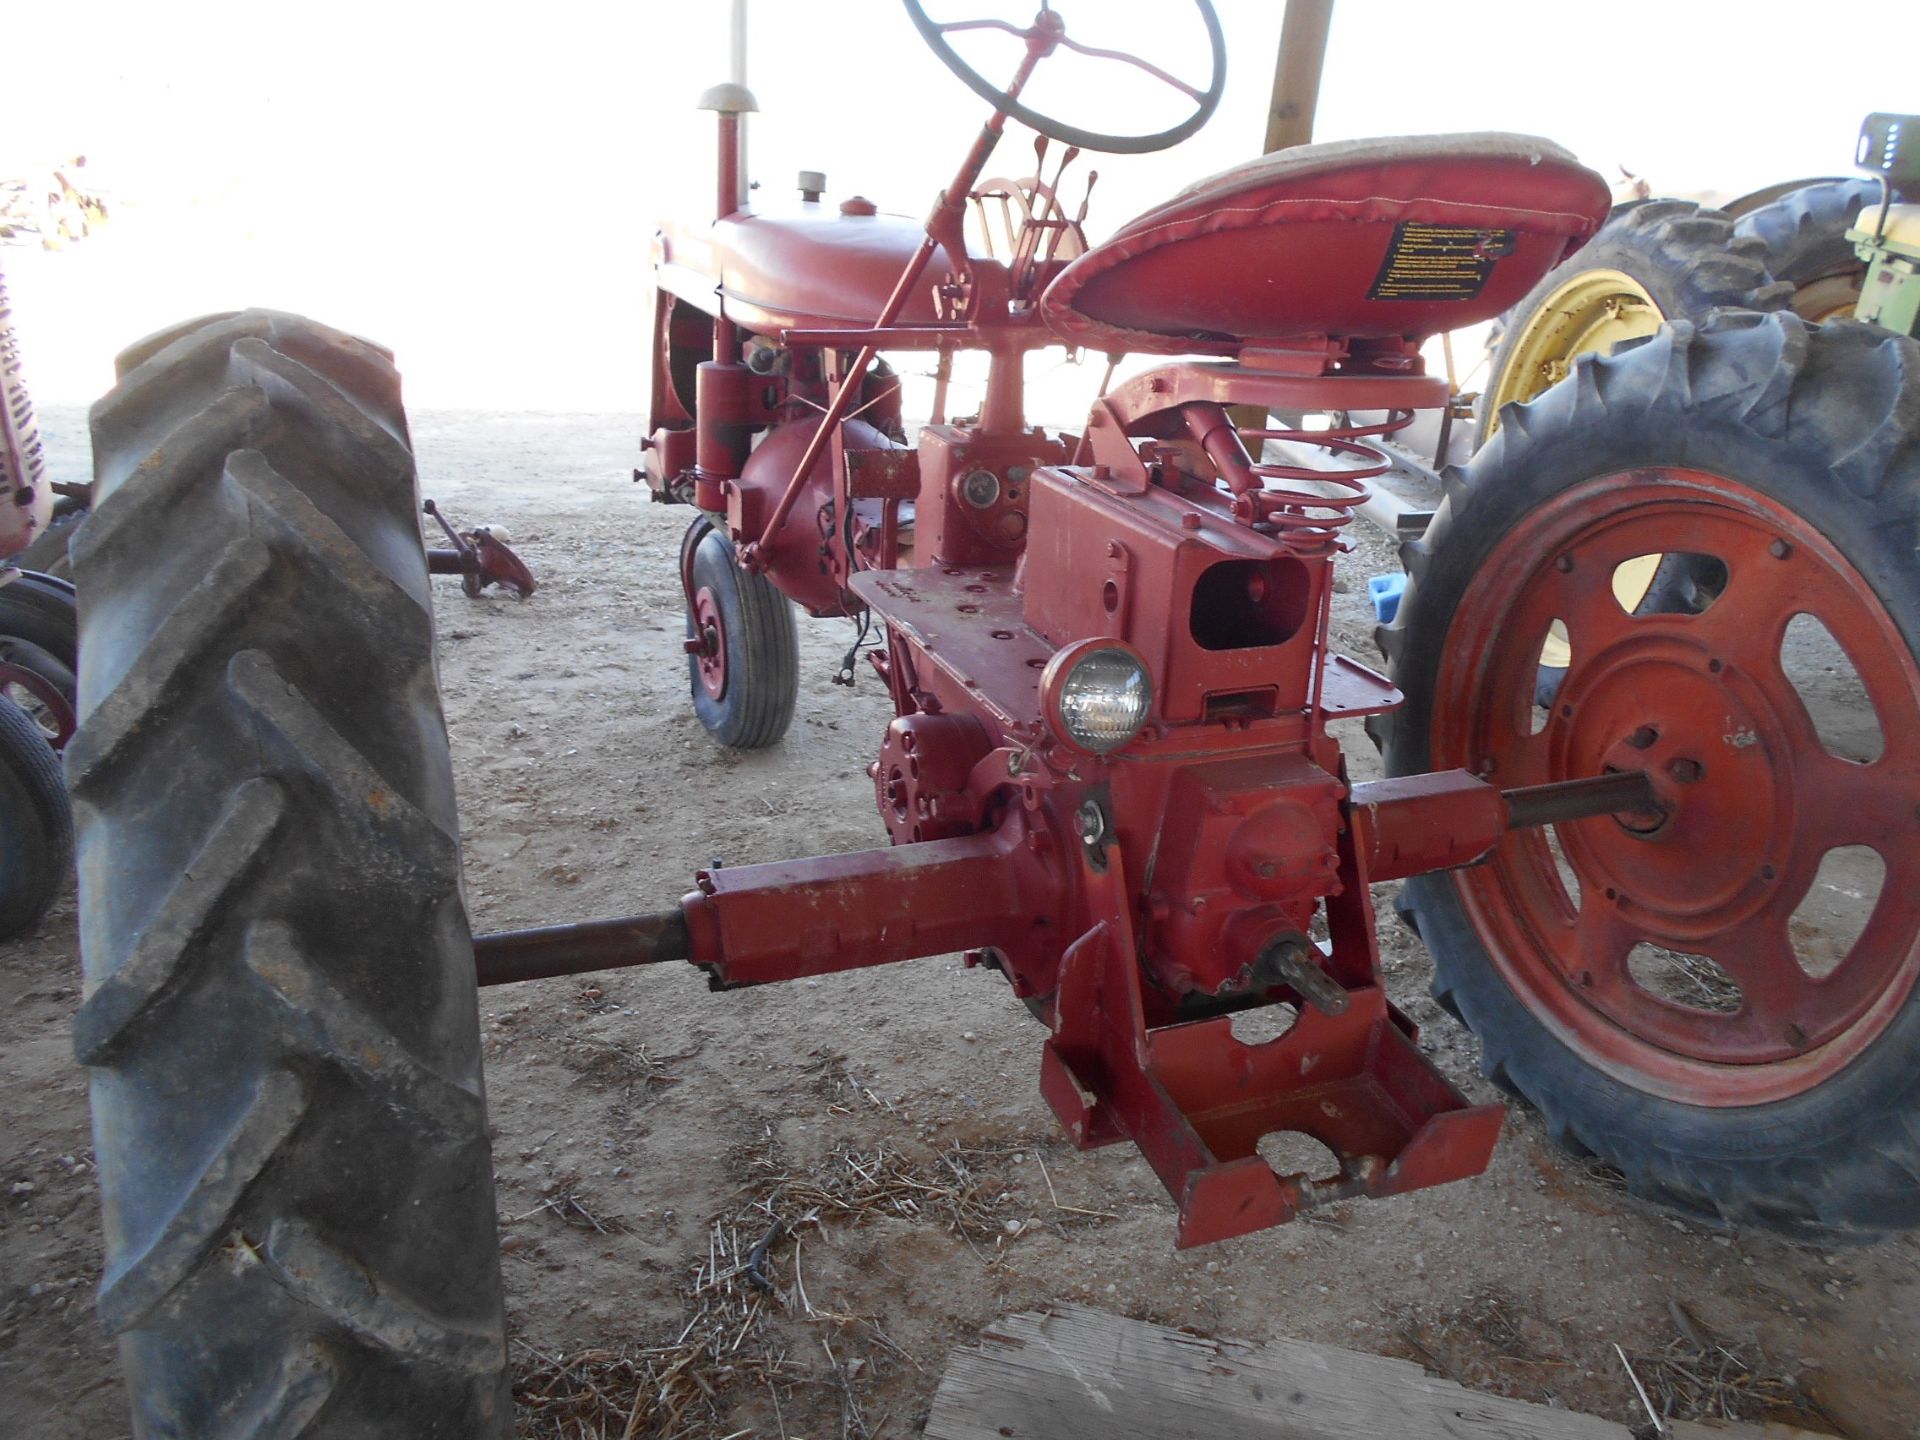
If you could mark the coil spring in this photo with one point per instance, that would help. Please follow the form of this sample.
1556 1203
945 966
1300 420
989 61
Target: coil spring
1311 520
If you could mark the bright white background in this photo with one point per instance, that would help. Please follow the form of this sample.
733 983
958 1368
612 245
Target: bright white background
475 184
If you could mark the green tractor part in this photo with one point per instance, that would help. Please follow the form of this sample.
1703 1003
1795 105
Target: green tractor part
1887 235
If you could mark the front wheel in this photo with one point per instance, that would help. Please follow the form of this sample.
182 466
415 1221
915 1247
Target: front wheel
743 650
1718 998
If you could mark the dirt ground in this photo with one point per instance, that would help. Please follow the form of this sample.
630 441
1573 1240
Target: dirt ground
649 1132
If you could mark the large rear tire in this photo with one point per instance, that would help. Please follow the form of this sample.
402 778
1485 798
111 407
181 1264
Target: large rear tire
1805 235
1790 454
280 1004
1651 262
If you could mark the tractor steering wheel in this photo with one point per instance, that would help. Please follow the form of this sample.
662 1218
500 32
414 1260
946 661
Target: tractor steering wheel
1049 32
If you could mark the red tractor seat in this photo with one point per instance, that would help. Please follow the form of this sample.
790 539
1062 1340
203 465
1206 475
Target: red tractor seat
1406 236
811 267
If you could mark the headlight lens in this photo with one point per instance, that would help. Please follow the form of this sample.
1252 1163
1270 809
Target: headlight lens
1102 698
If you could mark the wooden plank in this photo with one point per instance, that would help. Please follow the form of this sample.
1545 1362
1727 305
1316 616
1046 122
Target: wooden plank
1074 1373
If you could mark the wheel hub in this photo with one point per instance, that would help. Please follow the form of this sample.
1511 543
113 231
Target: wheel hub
1658 706
709 643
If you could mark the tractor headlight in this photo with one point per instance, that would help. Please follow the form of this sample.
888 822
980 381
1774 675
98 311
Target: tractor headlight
1096 694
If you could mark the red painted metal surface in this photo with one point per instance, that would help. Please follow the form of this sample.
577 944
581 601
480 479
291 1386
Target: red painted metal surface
1748 799
1415 823
805 266
1364 238
754 924
1137 898
708 643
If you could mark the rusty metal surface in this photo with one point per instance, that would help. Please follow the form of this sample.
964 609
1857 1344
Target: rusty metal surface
513 955
479 557
1618 792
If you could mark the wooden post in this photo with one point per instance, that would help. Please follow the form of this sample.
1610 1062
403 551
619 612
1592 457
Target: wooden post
1296 73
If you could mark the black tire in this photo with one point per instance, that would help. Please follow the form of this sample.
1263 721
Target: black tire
42 610
1686 257
1824 420
281 1015
48 552
36 825
148 346
762 649
1805 235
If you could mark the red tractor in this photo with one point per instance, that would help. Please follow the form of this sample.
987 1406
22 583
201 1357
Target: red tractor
1110 774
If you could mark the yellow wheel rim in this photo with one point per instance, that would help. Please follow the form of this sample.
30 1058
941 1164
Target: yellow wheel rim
1592 312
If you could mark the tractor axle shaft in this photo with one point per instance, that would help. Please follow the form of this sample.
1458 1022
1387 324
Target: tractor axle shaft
762 923
512 955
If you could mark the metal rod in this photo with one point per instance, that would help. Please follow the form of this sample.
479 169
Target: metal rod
737 73
512 955
1610 794
452 562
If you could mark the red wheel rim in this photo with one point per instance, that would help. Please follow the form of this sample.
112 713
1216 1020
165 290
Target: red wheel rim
55 715
710 635
1752 798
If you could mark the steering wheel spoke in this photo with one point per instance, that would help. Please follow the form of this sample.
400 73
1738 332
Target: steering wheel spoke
989 24
1042 38
1125 58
